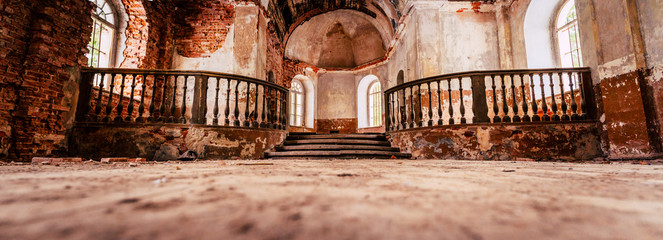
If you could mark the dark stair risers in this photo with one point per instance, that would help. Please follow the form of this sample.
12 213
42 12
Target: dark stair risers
342 146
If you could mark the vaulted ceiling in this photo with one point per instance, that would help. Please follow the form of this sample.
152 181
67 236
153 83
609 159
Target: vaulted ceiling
290 13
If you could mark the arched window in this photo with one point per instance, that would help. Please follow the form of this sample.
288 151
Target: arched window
297 104
102 43
375 105
568 36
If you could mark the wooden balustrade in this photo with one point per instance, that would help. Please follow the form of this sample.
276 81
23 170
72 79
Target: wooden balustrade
505 96
133 96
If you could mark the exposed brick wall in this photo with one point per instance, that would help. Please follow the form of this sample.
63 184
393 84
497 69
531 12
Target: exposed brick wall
60 31
203 26
161 32
137 34
292 68
14 39
274 55
149 34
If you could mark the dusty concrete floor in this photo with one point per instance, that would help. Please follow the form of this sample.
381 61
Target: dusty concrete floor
332 200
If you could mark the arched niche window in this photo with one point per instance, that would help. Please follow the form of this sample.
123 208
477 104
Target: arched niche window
568 36
401 78
296 104
375 105
101 48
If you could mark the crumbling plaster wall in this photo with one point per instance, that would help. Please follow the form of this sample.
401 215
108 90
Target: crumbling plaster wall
651 16
229 37
168 142
620 42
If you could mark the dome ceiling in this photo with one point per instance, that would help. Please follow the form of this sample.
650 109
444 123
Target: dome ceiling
290 13
339 39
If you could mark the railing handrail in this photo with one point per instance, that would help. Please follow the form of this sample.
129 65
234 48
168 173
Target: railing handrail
484 72
166 101
192 73
513 98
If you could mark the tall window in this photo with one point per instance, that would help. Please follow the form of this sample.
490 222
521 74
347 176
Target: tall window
375 105
296 104
102 42
568 36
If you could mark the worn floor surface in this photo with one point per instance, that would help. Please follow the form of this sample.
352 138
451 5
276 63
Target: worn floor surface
359 199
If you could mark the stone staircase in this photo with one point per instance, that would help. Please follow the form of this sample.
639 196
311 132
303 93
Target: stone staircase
336 146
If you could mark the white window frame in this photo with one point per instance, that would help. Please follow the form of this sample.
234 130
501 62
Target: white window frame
566 25
374 104
104 17
297 117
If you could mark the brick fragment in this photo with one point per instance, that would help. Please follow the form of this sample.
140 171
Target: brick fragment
47 160
112 160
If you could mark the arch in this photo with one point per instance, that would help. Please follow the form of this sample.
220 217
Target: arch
270 77
338 39
567 36
297 96
308 120
375 104
401 78
363 89
539 30
105 27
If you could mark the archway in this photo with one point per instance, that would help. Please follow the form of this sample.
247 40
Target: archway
363 102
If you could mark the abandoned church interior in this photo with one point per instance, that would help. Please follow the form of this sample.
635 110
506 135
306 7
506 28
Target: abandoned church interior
348 114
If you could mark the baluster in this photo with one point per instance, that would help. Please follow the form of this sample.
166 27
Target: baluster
97 108
109 105
215 111
574 105
394 109
463 120
440 121
544 102
236 113
254 114
246 109
505 103
152 108
162 107
284 116
430 106
526 117
120 107
451 104
277 117
130 109
514 99
171 117
265 108
535 106
226 114
565 114
412 122
583 101
184 92
496 108
555 116
86 95
403 122
141 106
419 106
205 86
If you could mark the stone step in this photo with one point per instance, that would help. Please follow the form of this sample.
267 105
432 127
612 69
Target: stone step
338 141
339 136
341 154
336 147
